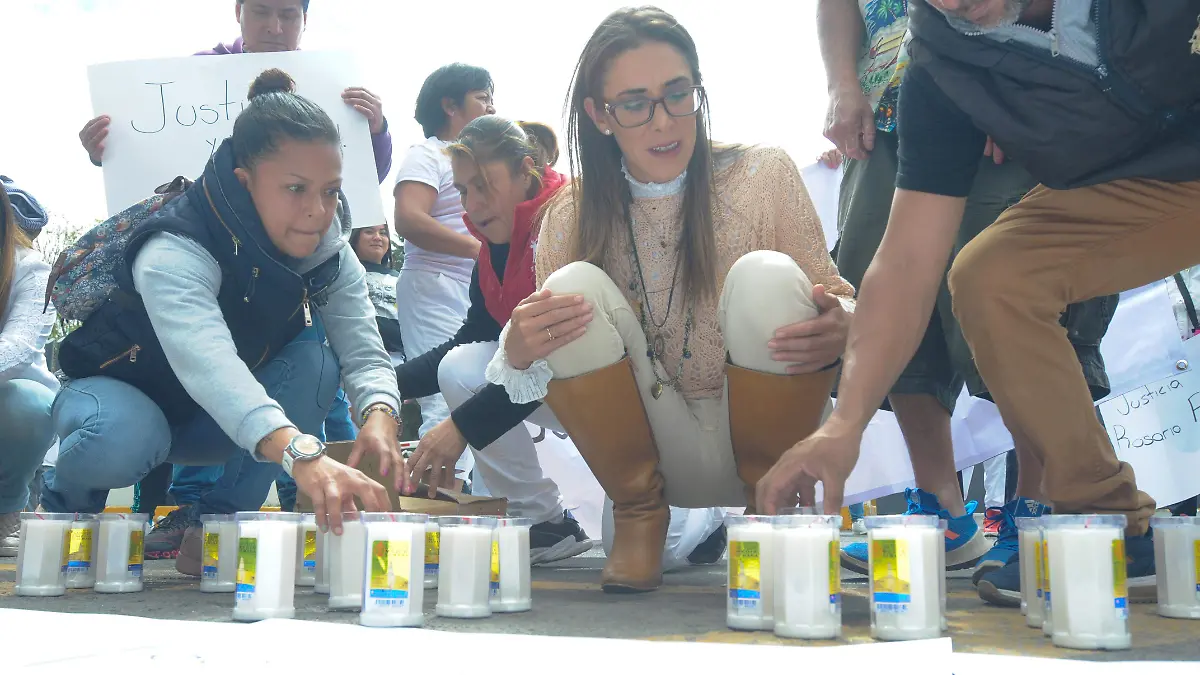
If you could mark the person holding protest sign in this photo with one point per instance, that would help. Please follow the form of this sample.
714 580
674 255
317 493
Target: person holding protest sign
207 367
690 320
439 252
26 387
503 172
1093 99
271 26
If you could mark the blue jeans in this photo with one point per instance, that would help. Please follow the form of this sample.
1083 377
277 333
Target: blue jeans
26 433
189 483
856 511
113 435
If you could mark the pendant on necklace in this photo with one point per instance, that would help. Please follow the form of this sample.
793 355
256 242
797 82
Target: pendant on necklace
660 346
656 390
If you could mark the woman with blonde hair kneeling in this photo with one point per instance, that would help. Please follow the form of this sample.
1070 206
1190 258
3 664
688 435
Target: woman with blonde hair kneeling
690 319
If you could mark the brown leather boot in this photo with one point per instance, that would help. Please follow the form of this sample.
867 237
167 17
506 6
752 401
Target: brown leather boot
768 414
603 413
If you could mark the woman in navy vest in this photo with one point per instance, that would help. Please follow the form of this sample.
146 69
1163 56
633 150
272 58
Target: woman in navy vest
194 360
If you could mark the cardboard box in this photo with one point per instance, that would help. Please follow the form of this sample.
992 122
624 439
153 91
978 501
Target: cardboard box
448 502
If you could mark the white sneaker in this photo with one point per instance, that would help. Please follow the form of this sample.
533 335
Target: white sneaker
10 534
859 526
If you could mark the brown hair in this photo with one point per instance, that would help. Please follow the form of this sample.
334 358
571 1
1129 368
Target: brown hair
11 237
601 193
491 138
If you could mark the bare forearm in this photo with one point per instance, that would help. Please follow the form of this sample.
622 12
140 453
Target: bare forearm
840 32
424 231
895 302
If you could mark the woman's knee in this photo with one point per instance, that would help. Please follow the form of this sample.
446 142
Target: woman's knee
772 281
25 415
461 372
580 278
110 433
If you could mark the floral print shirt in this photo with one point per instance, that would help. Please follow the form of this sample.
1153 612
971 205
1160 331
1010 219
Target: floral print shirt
884 58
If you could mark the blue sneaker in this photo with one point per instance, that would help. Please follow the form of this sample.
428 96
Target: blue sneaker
965 542
1007 542
1002 587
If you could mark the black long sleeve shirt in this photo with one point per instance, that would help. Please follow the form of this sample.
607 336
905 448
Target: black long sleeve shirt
489 414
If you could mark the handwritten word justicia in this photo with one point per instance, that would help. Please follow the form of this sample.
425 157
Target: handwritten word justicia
1132 401
187 115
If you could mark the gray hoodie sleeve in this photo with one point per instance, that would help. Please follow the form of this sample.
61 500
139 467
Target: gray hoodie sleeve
178 281
349 319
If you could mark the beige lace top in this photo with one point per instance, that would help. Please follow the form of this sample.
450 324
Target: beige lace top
763 206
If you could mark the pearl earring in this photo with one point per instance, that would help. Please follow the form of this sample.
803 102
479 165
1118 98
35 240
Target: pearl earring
608 132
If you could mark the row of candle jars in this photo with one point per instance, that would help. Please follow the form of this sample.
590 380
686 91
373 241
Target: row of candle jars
381 564
58 551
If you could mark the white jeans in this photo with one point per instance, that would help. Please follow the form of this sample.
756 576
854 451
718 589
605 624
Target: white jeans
509 466
764 291
431 307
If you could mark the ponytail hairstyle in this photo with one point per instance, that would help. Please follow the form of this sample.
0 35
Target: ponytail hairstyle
11 237
276 114
492 138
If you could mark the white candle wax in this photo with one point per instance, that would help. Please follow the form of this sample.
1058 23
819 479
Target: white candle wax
464 571
347 554
1177 560
433 548
79 552
511 587
807 580
121 552
1029 551
306 551
322 584
750 602
266 566
904 585
219 562
394 570
40 554
1087 581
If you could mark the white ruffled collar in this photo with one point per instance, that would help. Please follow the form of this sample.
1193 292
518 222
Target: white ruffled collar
641 190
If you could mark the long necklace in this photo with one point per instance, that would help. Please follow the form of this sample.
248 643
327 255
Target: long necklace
656 346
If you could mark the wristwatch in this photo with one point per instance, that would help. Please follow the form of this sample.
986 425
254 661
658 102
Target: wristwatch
303 448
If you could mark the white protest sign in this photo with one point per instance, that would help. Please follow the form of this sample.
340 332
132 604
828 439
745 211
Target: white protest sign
170 115
1155 427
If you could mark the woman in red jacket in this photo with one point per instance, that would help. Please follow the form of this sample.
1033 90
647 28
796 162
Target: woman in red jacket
502 170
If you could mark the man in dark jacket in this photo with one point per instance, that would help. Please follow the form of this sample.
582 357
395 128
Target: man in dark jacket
1099 100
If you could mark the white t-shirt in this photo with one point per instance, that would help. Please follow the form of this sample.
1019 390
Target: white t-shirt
427 163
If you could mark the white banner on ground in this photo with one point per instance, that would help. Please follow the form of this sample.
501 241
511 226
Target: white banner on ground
170 115
1153 419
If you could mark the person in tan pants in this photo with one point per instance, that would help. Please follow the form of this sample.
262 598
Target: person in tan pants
690 319
1093 104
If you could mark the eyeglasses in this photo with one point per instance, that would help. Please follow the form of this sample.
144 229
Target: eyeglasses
636 112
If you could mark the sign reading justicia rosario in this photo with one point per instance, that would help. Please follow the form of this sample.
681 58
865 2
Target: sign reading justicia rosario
170 115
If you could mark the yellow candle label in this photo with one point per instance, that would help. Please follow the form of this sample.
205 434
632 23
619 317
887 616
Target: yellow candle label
745 574
77 549
433 551
1120 582
390 565
1038 564
211 554
247 561
835 575
1046 574
137 552
310 550
494 586
891 576
1197 561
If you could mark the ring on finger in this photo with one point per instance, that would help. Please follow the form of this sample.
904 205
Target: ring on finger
550 334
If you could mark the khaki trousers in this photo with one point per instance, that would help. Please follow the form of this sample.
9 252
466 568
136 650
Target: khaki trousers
764 291
1011 283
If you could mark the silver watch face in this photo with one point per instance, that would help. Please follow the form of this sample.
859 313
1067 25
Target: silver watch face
305 446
